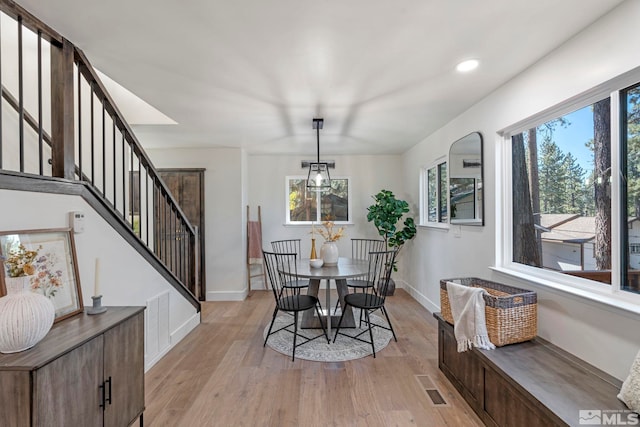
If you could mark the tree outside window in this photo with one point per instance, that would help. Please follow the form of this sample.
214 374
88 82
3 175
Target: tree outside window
561 193
306 206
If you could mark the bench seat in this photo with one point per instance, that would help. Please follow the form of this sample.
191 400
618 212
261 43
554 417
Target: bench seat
534 383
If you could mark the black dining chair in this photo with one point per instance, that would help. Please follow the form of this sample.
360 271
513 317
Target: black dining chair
281 269
360 249
373 296
290 246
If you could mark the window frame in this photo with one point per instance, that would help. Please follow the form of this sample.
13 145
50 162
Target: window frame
424 194
613 294
288 221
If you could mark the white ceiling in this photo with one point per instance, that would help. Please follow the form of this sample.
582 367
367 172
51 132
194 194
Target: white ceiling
253 73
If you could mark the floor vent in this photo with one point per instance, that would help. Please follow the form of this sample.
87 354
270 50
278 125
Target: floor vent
431 391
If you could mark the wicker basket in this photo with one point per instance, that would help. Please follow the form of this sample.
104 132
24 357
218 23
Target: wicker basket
511 313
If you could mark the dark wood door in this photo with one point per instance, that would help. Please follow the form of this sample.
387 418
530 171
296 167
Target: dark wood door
187 187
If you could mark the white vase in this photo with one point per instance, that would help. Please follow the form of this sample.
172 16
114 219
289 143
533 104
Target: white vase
329 253
25 317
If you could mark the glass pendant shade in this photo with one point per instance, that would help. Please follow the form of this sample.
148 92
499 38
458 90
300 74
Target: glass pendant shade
318 179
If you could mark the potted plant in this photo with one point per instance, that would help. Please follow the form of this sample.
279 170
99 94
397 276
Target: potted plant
386 213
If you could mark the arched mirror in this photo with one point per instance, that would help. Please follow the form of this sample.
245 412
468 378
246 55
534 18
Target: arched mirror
466 200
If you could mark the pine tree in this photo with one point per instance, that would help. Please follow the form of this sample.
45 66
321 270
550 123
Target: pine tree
575 188
552 181
633 153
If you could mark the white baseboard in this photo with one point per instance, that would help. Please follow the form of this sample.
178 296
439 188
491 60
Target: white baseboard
175 338
227 295
421 298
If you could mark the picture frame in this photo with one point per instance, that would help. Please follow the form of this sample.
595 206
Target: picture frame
56 267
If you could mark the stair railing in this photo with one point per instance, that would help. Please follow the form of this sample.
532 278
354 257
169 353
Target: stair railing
79 134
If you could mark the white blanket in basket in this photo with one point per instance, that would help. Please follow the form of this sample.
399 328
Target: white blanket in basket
469 324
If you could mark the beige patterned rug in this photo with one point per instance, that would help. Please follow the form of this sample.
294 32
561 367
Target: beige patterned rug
318 350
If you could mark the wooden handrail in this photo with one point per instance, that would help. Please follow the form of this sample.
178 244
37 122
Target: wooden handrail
89 73
14 10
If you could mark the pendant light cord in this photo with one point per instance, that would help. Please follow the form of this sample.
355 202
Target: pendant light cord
318 139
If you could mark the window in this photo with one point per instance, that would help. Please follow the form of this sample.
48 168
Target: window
630 191
304 206
434 206
567 214
561 193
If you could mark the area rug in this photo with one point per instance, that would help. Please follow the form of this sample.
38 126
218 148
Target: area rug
318 350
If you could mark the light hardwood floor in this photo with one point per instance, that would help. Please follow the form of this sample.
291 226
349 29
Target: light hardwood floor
220 375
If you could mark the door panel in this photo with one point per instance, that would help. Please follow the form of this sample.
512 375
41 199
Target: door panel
71 382
187 188
124 367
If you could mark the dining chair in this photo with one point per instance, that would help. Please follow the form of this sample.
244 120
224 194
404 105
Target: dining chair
281 269
360 249
290 246
373 297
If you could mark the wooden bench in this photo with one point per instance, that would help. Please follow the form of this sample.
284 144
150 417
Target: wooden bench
529 384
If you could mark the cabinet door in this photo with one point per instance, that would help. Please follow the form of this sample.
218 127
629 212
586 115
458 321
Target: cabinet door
67 390
124 364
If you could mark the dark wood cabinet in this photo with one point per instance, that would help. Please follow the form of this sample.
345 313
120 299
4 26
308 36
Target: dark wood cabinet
88 371
187 188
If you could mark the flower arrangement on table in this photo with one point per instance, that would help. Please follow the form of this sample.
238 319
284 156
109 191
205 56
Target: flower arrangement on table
328 234
19 261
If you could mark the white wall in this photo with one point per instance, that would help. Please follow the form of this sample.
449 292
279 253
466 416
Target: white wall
368 175
602 335
125 277
224 213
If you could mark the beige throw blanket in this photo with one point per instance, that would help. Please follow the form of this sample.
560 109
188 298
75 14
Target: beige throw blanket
469 324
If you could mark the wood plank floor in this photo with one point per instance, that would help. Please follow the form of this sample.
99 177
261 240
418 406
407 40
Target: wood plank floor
220 375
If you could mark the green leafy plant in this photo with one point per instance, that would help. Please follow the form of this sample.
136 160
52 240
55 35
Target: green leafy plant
386 213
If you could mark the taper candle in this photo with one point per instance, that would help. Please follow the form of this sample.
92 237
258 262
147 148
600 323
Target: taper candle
96 280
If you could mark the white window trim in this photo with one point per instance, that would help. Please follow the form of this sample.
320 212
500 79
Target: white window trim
424 199
610 295
307 223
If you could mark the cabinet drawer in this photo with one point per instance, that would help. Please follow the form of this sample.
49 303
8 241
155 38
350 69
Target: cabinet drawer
504 404
465 367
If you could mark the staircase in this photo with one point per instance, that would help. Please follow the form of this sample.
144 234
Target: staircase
61 133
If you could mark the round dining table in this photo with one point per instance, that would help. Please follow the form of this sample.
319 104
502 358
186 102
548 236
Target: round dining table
345 269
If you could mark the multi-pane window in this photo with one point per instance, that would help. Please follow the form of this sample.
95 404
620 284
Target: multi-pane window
434 194
564 205
304 206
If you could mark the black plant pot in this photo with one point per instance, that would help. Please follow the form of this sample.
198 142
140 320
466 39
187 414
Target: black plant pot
391 288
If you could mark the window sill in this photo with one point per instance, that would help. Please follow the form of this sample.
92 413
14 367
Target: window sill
596 294
308 224
437 225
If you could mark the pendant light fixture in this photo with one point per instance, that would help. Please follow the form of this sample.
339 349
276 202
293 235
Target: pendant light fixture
318 179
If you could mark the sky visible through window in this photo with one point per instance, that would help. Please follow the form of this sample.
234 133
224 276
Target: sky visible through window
573 137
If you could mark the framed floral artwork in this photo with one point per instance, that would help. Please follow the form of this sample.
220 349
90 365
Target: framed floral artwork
48 257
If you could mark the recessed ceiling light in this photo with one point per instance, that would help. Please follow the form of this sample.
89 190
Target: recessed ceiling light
468 65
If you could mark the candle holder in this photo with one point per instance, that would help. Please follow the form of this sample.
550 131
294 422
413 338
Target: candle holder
97 305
